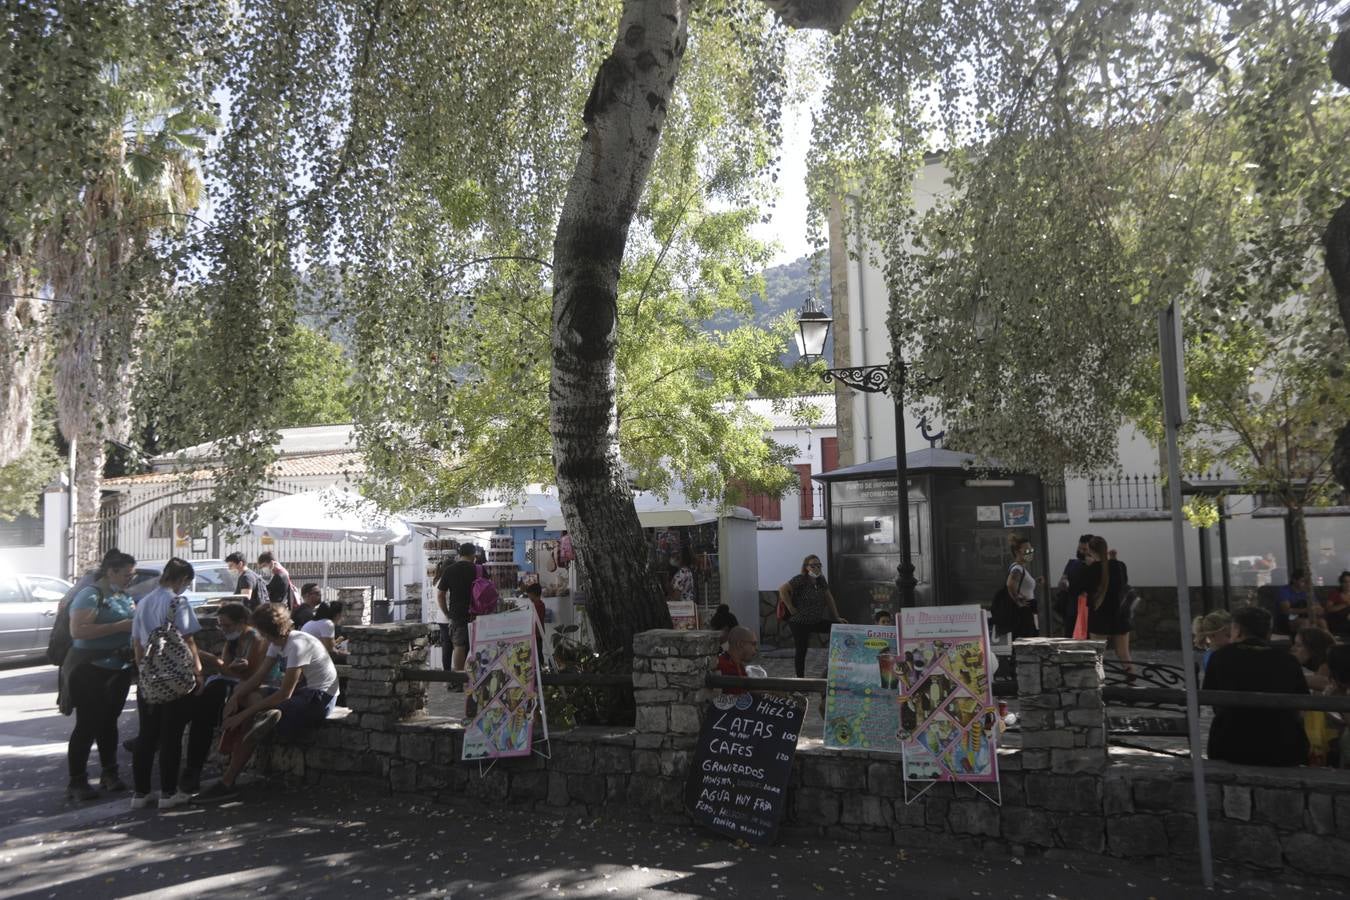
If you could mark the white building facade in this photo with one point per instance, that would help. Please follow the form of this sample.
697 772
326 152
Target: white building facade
1127 507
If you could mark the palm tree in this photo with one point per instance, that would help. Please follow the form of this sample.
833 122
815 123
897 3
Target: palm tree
107 268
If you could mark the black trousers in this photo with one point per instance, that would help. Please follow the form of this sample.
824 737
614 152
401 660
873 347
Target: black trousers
801 639
162 726
206 709
99 695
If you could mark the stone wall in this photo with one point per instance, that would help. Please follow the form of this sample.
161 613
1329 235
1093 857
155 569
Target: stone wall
1061 794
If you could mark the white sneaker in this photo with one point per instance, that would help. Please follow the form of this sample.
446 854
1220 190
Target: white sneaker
141 801
179 799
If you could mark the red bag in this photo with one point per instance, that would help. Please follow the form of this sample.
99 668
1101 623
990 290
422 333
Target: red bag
1080 622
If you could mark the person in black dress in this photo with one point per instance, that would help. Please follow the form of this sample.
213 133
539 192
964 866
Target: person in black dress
1104 581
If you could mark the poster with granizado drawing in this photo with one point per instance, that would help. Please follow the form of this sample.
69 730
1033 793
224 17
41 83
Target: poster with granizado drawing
504 687
947 711
860 689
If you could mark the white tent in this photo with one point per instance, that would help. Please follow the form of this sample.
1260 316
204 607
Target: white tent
654 513
331 515
525 510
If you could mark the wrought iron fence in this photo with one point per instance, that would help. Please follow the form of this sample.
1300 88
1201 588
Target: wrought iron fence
1137 492
1127 492
157 521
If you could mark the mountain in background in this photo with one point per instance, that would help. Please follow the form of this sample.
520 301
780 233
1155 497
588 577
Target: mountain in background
786 289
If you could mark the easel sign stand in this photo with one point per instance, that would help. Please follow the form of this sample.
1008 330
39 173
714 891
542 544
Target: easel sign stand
506 683
948 720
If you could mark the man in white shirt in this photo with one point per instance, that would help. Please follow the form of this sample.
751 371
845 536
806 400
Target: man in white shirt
288 709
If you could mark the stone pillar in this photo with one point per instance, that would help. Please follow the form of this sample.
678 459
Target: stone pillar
1059 690
353 604
379 655
412 599
669 668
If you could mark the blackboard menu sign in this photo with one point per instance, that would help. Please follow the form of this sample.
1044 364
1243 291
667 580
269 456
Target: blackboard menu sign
738 779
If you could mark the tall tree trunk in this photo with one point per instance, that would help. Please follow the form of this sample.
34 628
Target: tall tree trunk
21 353
90 457
1336 240
623 117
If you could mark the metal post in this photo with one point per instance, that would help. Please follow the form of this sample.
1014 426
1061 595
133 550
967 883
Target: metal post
877 380
905 581
1223 555
1174 406
1203 534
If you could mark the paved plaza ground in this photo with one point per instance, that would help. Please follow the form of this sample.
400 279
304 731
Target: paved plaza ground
295 842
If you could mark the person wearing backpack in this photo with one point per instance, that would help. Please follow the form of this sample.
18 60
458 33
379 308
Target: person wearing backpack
454 595
170 674
96 673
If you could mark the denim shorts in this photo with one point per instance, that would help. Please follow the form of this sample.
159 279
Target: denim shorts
304 709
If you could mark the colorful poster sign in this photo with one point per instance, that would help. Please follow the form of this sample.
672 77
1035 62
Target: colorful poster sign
947 711
860 689
683 615
1018 514
504 686
738 780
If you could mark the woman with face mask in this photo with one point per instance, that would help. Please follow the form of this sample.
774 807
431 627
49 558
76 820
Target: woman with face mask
96 673
244 653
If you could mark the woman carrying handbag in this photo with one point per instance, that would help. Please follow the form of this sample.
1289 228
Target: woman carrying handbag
170 674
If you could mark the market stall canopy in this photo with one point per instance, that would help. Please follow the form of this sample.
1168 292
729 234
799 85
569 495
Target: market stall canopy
331 515
653 514
529 509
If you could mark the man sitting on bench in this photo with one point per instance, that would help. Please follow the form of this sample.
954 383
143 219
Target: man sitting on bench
288 709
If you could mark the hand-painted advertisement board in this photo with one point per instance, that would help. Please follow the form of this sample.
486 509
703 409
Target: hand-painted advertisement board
504 686
860 689
947 711
738 779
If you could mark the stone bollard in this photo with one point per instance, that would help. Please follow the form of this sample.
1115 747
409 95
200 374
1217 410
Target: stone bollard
353 604
669 668
1059 690
376 688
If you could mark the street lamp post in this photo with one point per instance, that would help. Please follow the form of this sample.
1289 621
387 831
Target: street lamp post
813 327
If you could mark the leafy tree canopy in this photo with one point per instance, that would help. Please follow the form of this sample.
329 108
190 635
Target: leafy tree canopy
420 152
1103 159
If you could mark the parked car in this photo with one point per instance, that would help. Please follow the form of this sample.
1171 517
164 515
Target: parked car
27 610
213 580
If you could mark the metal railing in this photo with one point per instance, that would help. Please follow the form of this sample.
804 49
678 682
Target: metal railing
1111 694
550 679
1127 493
1137 492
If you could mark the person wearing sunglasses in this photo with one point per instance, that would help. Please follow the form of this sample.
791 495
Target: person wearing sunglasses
811 608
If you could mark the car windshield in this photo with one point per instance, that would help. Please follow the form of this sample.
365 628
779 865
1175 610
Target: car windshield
43 588
215 580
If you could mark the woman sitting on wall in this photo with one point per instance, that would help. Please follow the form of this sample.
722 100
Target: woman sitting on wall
245 652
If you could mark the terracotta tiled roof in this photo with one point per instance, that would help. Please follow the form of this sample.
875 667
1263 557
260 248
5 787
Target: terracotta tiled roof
346 462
